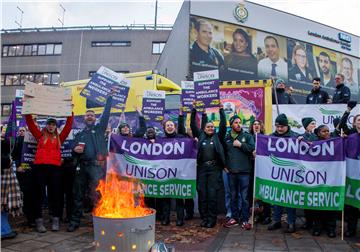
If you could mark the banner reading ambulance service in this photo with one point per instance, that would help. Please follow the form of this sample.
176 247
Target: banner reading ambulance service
292 173
167 167
352 150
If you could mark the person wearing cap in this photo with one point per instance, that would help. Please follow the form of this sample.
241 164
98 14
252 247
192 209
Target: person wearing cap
210 163
125 130
282 129
90 151
317 95
282 96
309 125
239 146
47 168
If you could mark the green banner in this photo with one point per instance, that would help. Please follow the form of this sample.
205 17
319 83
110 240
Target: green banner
352 192
297 196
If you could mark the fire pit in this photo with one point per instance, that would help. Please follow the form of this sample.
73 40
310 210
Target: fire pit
124 234
121 220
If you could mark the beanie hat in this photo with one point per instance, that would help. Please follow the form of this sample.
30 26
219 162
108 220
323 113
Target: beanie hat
278 81
233 118
51 120
306 121
282 120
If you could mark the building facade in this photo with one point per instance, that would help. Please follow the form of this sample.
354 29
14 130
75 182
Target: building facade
53 55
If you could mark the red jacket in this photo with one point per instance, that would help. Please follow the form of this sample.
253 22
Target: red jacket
48 152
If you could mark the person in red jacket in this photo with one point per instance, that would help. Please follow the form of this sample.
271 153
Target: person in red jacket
47 171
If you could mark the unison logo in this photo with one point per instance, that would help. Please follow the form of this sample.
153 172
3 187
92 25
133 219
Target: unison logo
329 111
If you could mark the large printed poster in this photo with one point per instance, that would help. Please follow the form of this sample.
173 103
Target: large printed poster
241 53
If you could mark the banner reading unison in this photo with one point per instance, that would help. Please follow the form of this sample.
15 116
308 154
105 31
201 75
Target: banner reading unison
167 167
296 174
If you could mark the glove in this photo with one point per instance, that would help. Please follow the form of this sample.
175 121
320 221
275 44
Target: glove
351 104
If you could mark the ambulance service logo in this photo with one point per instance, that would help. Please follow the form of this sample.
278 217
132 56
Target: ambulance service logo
241 13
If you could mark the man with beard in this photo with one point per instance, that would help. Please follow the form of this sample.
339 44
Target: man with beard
327 79
317 95
90 150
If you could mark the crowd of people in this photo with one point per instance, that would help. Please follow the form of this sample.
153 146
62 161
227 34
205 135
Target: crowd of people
225 158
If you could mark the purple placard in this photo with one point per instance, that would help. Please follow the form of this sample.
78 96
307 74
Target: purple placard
291 148
181 148
153 105
187 95
207 89
100 85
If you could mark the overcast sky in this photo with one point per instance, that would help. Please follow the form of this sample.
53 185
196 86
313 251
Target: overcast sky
339 14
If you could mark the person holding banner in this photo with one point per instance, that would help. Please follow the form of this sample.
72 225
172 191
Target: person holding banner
239 146
326 219
210 162
257 127
343 121
90 150
170 132
309 125
124 128
47 168
282 129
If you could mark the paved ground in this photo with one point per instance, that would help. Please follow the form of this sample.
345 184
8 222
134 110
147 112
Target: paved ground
219 239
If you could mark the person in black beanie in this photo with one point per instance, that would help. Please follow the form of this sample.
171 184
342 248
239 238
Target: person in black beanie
124 128
282 129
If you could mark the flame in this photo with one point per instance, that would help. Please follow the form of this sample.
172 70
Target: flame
120 198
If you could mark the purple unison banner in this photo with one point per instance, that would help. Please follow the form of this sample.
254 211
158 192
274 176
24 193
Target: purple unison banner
100 85
187 95
166 168
297 174
207 89
153 105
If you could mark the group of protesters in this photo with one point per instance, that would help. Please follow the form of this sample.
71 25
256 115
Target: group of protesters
224 158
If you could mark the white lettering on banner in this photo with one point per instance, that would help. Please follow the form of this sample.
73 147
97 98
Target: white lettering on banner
297 197
155 149
300 147
172 189
353 196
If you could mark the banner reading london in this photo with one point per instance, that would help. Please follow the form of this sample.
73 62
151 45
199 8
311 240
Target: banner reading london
297 174
167 167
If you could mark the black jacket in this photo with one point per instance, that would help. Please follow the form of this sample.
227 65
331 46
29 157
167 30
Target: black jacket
239 159
342 94
16 152
317 97
288 133
343 125
218 137
282 97
94 138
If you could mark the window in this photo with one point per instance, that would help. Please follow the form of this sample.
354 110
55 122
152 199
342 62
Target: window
111 43
41 49
2 80
31 50
158 47
27 50
55 79
19 50
5 109
49 49
12 50
58 49
34 49
26 77
5 51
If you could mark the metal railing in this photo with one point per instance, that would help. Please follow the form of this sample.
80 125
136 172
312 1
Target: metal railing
90 28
